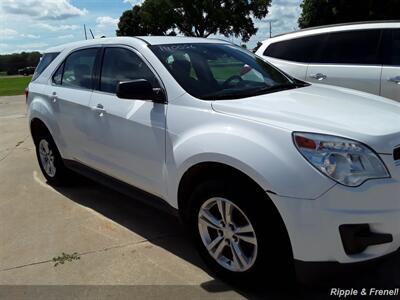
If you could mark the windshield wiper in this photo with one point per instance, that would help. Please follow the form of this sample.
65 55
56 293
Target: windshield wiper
254 92
221 95
278 87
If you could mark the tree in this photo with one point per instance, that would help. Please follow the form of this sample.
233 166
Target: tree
150 18
10 63
130 23
200 18
324 12
158 17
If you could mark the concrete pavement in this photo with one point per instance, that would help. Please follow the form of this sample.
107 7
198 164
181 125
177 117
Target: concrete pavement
119 240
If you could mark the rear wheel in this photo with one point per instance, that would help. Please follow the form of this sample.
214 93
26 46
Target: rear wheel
240 235
50 160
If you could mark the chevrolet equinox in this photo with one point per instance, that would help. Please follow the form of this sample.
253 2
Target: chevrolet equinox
267 172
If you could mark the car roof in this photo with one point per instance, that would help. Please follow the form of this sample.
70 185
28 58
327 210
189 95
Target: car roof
335 28
140 40
163 40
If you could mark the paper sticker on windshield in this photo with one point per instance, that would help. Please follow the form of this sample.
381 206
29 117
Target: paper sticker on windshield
176 47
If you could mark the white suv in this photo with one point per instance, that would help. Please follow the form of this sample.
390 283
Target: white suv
364 57
262 168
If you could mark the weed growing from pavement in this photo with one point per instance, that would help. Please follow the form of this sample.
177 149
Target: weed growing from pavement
65 257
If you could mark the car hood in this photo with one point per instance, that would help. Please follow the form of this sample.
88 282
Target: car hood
370 119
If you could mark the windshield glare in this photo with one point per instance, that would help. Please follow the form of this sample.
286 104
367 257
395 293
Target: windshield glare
220 71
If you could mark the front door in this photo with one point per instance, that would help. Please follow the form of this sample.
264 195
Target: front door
349 59
390 84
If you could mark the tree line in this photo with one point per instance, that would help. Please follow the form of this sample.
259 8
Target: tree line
198 18
202 18
11 63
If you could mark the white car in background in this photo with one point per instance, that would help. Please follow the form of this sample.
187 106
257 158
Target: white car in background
361 56
262 168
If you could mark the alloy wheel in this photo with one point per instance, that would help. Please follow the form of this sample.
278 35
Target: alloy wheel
47 158
227 234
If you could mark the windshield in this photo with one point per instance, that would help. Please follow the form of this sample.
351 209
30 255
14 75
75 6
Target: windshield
221 71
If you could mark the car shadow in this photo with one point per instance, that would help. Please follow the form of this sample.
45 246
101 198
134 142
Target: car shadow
167 232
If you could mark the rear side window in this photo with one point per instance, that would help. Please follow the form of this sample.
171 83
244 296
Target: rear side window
120 64
301 49
352 47
77 70
44 62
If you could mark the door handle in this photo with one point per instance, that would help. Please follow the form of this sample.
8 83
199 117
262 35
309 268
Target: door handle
319 76
100 109
395 79
54 97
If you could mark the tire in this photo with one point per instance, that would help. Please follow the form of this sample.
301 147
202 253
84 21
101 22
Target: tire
50 161
257 231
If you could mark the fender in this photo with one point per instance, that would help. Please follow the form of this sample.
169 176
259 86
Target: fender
261 152
39 108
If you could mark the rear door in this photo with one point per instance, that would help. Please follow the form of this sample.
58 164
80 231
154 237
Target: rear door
127 136
70 93
349 59
390 81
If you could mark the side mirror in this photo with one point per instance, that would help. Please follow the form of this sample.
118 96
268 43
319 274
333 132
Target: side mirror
140 89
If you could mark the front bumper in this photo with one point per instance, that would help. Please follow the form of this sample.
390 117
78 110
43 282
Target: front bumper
313 225
333 272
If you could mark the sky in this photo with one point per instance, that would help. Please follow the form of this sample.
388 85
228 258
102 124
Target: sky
35 25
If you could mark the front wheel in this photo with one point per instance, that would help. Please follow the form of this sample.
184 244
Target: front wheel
227 234
240 235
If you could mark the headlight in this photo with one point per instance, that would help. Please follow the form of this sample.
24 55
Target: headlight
345 161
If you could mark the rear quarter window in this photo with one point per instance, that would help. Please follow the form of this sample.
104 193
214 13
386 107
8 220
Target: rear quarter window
44 62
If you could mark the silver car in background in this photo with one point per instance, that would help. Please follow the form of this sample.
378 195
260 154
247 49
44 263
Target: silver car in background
361 56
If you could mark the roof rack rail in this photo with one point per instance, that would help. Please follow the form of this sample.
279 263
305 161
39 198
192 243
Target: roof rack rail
223 40
340 24
142 39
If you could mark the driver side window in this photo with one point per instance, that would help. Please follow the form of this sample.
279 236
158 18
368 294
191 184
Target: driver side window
120 64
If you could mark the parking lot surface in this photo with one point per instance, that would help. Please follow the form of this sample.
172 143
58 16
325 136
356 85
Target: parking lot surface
112 244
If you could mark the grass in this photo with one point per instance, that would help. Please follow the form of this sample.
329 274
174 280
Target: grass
222 71
225 70
13 85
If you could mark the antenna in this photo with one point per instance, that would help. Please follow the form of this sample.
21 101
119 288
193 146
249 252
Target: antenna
91 33
270 29
84 28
